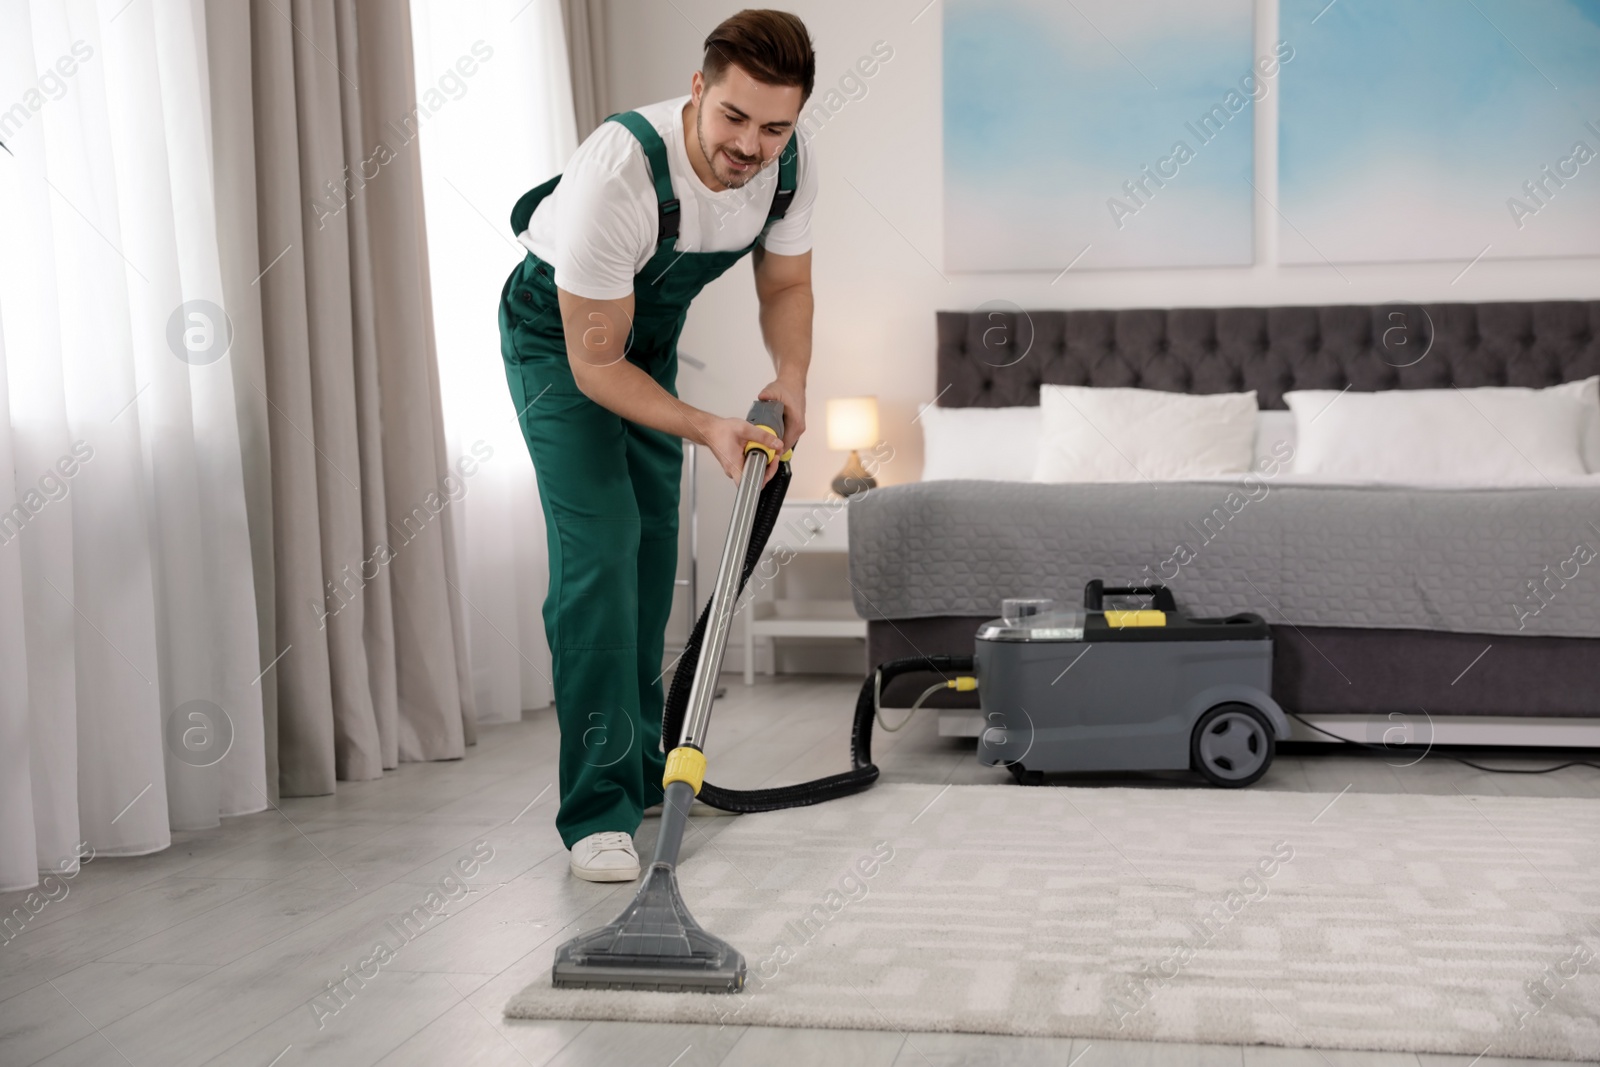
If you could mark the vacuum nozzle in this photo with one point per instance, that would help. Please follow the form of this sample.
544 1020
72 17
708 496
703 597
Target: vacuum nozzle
655 945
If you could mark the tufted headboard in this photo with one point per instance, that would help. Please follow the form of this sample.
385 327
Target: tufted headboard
999 358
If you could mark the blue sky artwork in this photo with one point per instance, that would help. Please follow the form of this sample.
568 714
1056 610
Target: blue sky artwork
1100 132
1439 130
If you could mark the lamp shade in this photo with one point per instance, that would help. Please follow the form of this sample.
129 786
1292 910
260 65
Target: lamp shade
852 422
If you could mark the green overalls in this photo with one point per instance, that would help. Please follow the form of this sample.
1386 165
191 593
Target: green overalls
609 489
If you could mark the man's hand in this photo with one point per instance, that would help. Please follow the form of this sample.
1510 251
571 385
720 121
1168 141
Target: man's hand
727 437
793 399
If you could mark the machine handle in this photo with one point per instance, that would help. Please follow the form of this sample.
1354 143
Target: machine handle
1161 598
767 414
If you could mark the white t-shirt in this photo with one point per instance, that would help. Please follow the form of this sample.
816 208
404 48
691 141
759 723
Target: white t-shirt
599 226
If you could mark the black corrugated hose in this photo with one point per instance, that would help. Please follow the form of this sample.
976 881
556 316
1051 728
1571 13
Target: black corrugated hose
862 772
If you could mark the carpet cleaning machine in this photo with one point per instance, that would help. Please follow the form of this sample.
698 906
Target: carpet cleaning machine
1160 690
1104 689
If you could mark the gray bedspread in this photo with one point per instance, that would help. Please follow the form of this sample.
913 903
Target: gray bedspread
1489 561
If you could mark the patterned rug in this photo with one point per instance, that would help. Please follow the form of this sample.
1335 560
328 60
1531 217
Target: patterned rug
1355 921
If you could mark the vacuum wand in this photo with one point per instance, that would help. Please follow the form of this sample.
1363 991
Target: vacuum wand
656 944
768 414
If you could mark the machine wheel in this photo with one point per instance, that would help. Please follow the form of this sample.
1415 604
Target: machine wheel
1025 776
1232 745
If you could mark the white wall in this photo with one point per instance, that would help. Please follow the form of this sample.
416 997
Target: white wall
878 259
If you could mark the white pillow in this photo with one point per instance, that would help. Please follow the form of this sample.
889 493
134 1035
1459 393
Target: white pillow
1488 436
997 444
1089 434
1587 391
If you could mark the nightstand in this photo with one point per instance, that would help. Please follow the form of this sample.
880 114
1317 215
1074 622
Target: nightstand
804 527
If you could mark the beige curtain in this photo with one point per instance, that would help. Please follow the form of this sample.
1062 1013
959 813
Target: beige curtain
585 24
351 484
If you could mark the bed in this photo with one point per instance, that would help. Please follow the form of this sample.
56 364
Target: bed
1395 612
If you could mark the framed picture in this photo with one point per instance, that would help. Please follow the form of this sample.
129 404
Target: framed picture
1439 130
1099 133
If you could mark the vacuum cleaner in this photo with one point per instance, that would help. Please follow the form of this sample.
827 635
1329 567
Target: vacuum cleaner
1161 677
1113 689
656 944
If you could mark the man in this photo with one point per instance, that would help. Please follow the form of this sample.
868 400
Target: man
655 204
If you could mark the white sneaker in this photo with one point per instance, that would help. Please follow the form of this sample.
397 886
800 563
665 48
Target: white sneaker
605 857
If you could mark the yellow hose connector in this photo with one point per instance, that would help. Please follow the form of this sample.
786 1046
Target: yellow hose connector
685 764
965 683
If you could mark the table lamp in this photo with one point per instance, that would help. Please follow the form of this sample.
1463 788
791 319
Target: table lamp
852 425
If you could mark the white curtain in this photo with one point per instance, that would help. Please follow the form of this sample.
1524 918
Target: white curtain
128 636
493 80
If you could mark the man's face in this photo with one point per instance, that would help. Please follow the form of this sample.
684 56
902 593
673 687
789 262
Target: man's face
743 124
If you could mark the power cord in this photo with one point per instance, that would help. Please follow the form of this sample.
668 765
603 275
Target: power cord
1446 755
901 725
961 683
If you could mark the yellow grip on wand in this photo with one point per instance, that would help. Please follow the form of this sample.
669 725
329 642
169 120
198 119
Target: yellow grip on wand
757 446
768 415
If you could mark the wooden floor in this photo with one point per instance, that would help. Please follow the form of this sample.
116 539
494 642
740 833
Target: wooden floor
218 949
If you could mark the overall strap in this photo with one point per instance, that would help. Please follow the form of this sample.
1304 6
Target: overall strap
788 168
655 152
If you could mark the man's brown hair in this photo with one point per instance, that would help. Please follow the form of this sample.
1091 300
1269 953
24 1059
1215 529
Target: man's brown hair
770 46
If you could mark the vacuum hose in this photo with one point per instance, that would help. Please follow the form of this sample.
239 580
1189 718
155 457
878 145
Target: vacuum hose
862 772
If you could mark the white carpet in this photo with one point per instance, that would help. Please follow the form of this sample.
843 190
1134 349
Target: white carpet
1400 922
